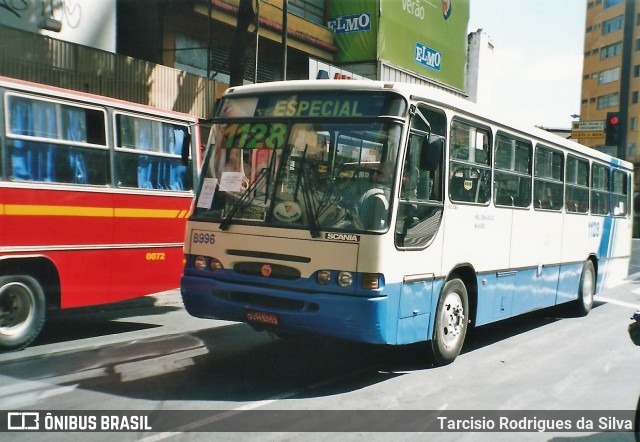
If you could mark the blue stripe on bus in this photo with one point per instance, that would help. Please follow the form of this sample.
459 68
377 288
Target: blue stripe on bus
606 239
406 314
349 317
503 295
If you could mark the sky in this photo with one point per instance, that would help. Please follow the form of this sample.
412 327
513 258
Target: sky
537 57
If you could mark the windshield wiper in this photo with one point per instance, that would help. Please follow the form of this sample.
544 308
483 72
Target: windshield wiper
264 173
314 228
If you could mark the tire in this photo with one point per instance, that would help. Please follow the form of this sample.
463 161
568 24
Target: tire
22 311
451 321
586 289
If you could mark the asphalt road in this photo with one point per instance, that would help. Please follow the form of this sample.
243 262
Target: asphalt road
150 355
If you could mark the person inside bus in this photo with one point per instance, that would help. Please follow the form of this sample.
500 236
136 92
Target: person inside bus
373 205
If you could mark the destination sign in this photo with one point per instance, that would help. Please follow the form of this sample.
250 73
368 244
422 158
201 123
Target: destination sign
318 108
313 104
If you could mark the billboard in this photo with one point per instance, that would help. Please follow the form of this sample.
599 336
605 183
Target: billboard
355 29
428 37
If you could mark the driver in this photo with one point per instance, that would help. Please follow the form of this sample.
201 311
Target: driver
373 206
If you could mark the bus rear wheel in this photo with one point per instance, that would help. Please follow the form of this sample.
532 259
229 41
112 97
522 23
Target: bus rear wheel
587 289
452 318
22 311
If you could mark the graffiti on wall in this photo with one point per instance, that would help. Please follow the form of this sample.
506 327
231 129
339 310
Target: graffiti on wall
65 12
71 20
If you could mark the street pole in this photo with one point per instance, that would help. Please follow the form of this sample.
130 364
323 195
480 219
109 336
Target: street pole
209 42
257 25
285 7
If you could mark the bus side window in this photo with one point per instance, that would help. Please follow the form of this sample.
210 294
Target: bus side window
619 193
149 154
512 178
59 151
420 208
470 166
577 185
20 123
599 189
548 180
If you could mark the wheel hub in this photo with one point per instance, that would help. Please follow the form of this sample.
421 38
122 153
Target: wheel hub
16 307
453 318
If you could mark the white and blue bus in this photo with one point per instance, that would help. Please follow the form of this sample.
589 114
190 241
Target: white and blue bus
395 213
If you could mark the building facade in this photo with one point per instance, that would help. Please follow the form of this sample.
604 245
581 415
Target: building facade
479 64
172 53
611 80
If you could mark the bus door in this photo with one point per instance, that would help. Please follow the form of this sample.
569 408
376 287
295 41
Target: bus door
418 219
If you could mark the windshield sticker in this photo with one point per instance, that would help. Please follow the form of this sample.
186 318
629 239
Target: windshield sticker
205 199
287 211
231 181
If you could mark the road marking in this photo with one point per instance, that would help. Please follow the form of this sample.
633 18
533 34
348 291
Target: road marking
202 422
25 387
250 406
35 397
616 302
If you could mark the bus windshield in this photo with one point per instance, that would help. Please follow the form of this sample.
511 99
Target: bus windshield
303 165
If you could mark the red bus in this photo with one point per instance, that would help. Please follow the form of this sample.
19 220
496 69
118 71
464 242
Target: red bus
94 196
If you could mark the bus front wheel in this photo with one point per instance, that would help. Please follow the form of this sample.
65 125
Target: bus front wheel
452 318
22 311
587 289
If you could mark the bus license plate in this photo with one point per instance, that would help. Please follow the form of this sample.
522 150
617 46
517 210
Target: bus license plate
262 317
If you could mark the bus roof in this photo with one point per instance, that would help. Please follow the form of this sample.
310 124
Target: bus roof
434 96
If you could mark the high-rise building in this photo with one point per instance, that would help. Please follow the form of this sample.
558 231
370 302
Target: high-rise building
479 69
611 80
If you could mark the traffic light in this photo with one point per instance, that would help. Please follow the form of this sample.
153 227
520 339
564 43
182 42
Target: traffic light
612 129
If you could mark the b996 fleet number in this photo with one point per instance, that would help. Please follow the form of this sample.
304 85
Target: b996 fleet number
203 238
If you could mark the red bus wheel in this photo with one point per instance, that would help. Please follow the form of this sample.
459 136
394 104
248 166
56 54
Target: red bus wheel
22 311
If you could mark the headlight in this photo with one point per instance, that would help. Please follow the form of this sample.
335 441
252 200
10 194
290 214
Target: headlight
215 265
324 277
200 262
345 279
